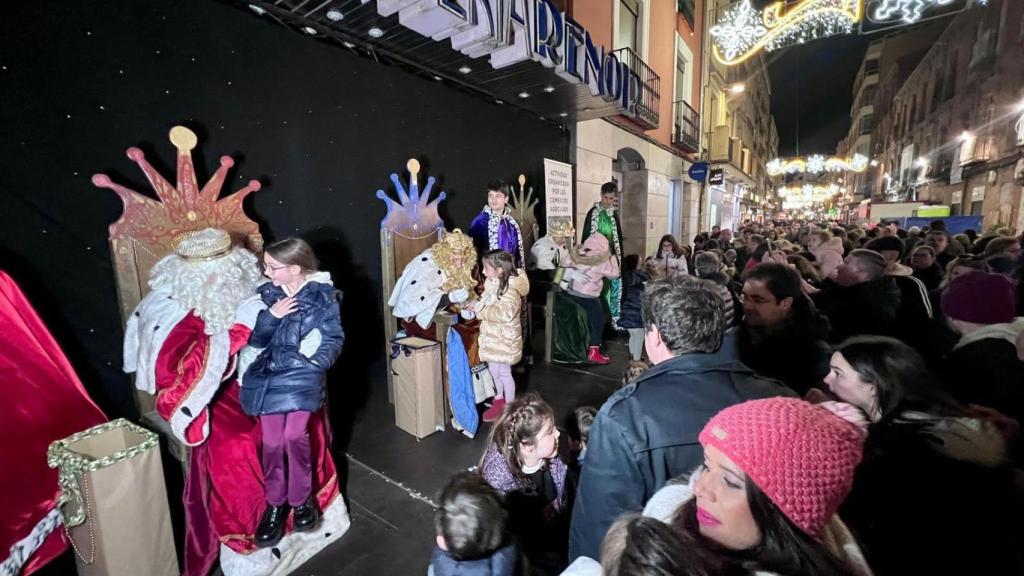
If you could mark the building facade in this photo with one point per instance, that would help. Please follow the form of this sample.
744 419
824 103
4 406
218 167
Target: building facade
649 159
951 128
740 137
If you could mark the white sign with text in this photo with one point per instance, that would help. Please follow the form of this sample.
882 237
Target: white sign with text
557 191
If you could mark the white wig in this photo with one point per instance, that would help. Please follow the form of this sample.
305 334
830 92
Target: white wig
212 289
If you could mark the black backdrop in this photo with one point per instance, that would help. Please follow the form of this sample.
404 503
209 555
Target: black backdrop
320 127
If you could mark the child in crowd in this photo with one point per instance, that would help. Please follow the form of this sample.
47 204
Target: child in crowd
471 537
501 334
631 318
583 418
633 370
521 462
301 337
586 269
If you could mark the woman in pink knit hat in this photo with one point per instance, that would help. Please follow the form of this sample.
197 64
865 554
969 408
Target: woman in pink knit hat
775 472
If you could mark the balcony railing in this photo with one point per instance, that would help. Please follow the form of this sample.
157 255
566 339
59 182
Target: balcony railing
685 127
647 107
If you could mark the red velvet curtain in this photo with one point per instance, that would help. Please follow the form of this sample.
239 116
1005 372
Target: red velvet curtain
41 400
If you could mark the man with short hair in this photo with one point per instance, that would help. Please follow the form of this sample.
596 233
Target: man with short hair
646 433
782 335
862 299
1003 245
939 241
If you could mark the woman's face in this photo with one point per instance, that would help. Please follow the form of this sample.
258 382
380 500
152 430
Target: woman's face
723 511
813 242
666 248
847 384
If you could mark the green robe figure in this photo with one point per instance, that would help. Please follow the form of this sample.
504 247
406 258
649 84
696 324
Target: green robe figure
603 218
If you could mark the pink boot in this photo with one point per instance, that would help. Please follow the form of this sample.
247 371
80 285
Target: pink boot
596 357
494 412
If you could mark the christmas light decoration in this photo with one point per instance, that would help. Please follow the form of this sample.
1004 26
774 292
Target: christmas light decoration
743 31
908 11
816 164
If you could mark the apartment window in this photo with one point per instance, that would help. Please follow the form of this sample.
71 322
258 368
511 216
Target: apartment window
629 17
686 8
949 90
869 95
937 86
867 123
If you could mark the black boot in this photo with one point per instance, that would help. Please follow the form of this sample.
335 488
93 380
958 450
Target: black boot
271 528
306 516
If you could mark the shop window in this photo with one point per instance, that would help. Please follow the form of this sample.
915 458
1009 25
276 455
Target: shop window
954 210
976 207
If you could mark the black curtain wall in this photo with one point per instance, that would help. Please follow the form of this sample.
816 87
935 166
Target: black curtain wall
320 127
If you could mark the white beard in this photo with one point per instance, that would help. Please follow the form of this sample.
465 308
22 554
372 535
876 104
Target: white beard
213 290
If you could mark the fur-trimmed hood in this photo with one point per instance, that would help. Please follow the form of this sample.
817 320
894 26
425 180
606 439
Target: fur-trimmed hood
1012 332
593 251
964 438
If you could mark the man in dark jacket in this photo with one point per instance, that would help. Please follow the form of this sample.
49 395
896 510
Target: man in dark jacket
646 433
783 335
862 299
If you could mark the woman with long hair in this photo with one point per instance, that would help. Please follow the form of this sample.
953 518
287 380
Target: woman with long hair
668 260
934 492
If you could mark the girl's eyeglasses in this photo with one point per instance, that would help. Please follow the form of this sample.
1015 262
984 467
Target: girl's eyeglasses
274 268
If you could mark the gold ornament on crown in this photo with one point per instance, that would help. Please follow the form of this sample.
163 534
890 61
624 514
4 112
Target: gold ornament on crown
455 246
148 227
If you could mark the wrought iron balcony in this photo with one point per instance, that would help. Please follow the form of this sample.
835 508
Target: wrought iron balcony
647 106
685 127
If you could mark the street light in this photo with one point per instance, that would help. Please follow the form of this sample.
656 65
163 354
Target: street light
737 88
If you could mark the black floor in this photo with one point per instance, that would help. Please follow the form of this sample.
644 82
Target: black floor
392 479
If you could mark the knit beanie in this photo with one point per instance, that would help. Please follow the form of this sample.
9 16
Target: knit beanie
800 455
981 298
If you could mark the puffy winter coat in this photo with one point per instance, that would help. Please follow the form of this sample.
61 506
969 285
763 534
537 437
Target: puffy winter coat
290 373
501 333
828 257
594 260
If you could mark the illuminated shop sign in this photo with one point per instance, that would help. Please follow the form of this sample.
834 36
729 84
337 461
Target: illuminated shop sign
512 31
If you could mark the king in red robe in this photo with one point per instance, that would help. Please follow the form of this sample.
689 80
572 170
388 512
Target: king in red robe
187 343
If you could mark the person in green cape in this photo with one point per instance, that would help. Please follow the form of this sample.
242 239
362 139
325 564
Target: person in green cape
603 218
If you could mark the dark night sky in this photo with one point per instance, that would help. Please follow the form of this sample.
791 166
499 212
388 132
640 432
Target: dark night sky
813 82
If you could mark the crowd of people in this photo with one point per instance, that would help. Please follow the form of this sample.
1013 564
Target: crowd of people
801 398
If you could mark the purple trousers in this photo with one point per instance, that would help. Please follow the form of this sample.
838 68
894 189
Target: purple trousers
286 435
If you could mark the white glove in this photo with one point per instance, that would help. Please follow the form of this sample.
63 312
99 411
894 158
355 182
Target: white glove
467 314
574 275
459 295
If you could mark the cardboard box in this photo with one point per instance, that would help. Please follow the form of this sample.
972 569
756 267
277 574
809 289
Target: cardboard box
419 396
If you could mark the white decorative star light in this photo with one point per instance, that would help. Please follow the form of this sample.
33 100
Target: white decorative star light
738 30
816 164
743 31
1020 130
908 11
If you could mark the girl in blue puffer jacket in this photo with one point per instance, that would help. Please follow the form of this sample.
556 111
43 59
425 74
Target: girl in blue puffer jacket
301 337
